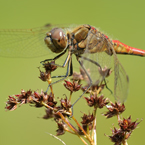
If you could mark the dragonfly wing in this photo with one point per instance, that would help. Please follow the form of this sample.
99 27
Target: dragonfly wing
103 50
97 71
121 80
24 43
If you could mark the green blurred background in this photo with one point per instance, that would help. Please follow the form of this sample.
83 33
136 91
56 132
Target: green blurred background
123 20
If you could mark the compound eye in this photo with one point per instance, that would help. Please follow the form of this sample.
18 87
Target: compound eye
58 40
57 34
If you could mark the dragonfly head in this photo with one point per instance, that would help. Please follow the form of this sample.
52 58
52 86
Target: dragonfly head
56 40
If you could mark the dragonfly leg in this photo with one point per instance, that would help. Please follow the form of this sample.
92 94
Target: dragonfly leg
55 58
65 62
71 72
91 61
67 73
90 84
107 87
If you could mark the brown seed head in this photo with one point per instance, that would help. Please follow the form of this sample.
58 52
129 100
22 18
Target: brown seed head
105 72
87 119
50 101
49 114
24 97
77 77
127 124
65 104
119 136
44 76
93 89
61 128
86 123
114 109
11 104
50 66
43 97
73 87
97 102
80 76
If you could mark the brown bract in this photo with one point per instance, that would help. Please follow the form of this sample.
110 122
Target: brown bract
60 130
11 104
49 114
119 136
65 104
45 98
127 124
24 97
87 119
77 77
73 87
80 76
50 66
84 75
86 123
97 102
114 109
105 71
44 76
93 88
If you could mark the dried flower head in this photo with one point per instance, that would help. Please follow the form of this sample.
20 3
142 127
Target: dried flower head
61 128
84 75
11 104
43 98
87 123
49 114
77 77
50 66
119 136
44 76
73 87
24 97
80 76
93 89
87 119
127 124
97 102
105 71
65 104
114 109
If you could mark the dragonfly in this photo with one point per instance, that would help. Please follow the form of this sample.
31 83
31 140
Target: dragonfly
94 51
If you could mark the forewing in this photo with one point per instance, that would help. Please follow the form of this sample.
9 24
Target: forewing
24 42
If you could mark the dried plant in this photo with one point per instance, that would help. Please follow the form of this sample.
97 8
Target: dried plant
86 129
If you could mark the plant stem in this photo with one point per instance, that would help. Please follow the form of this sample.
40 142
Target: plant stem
125 143
70 96
94 133
87 136
66 121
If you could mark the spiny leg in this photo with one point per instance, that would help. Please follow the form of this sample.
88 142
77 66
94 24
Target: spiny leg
67 73
90 84
71 72
65 62
55 58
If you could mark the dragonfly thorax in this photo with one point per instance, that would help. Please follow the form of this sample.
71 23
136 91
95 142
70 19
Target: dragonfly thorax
56 40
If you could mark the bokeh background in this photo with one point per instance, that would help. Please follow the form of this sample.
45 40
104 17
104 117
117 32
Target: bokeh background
123 20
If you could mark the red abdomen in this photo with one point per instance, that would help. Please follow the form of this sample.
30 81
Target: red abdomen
121 48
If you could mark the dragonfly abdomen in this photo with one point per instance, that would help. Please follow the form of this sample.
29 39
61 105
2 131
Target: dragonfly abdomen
121 48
